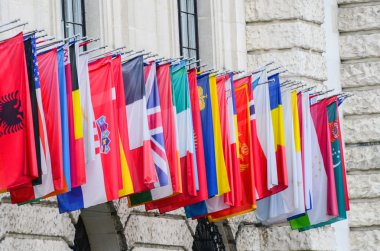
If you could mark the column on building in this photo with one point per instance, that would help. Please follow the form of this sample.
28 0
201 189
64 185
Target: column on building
359 27
291 34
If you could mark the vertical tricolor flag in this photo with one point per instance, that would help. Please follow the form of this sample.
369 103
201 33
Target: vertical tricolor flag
244 109
289 202
163 188
278 130
17 145
266 177
324 197
77 164
142 169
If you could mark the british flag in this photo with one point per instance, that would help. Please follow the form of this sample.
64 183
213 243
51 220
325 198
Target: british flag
155 126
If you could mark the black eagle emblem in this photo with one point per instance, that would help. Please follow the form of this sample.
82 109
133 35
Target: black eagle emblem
11 115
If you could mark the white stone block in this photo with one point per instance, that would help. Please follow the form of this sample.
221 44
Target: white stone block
360 74
267 10
360 129
298 62
285 35
249 238
21 243
359 18
357 46
364 185
362 157
363 102
36 220
157 230
364 213
365 240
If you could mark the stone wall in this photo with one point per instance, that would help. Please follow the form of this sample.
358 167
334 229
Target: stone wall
359 26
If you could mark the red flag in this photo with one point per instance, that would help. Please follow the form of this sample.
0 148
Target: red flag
17 145
101 81
229 198
77 166
243 97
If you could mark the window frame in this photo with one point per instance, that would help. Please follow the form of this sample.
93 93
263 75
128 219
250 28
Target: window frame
83 18
195 14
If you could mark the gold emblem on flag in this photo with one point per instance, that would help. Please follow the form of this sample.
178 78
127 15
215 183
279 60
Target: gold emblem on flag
202 102
244 151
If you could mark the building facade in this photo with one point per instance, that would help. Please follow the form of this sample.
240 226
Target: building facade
332 43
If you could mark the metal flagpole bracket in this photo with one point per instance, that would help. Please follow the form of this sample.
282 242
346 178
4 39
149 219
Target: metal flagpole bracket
95 49
10 22
14 27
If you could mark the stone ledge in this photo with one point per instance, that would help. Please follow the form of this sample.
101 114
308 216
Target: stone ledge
364 213
362 157
359 18
360 74
361 129
283 238
155 230
285 35
365 240
363 102
364 185
298 62
355 1
35 220
267 10
358 46
21 243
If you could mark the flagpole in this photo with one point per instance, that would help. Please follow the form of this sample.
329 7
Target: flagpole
10 22
14 27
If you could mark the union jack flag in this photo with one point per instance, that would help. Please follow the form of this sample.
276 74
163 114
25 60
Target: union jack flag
155 126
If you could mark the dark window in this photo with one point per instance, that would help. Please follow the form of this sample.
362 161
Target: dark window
188 26
73 14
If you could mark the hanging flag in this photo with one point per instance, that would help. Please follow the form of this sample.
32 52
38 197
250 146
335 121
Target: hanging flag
64 117
77 165
33 191
125 179
289 202
185 142
142 168
245 110
324 190
30 57
163 188
16 120
169 130
306 145
94 191
338 162
278 130
221 202
266 178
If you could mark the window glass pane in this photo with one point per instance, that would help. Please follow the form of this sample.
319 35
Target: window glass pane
183 5
68 10
78 29
190 6
69 29
185 52
77 11
192 36
192 53
184 30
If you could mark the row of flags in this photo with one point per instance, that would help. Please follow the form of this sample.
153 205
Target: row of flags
166 137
